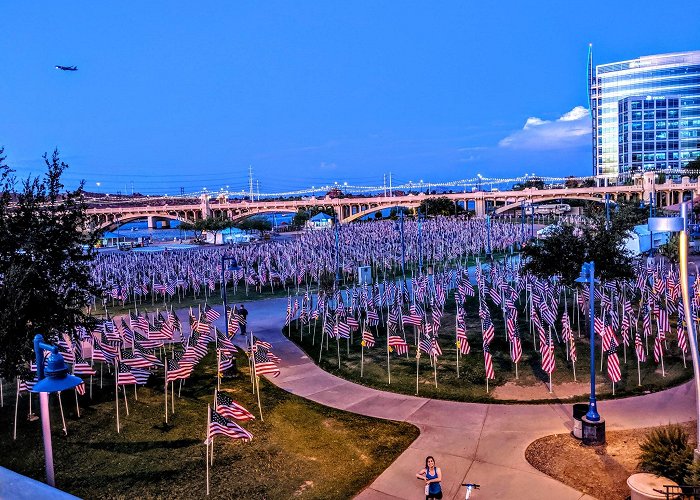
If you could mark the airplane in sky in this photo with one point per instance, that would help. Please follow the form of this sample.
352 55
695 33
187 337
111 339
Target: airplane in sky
67 68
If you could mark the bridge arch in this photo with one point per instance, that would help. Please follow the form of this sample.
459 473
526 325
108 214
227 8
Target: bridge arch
378 208
242 215
116 220
536 201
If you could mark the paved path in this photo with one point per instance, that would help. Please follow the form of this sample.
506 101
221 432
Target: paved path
480 443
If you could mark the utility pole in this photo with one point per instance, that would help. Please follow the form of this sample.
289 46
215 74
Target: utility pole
258 181
390 192
384 185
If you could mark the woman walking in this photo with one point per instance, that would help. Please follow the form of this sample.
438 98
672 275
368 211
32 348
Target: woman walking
432 477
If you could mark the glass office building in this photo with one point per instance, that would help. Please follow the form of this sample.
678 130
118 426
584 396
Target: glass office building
645 113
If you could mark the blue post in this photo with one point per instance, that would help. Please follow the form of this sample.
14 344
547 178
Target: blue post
607 208
592 414
337 250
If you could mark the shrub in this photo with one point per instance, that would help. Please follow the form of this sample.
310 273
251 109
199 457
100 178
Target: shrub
692 477
666 452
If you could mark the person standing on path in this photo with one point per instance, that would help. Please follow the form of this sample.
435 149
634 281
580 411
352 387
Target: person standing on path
432 476
243 314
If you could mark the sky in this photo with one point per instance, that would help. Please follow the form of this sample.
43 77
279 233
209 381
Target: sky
190 95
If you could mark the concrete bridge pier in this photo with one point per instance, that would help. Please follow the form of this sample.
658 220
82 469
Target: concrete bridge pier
480 206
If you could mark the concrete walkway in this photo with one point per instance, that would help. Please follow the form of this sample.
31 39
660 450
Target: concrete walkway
478 443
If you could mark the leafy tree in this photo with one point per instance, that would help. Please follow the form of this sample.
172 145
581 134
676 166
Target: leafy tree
378 215
692 168
45 283
560 253
566 248
571 182
197 227
670 249
255 224
439 206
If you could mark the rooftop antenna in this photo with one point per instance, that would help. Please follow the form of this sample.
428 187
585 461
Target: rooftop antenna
591 76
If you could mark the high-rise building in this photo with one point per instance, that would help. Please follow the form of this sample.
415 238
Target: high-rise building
645 113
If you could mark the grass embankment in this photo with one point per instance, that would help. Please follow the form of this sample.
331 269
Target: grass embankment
471 384
301 448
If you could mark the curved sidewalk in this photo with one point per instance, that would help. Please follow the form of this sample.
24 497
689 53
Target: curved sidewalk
471 442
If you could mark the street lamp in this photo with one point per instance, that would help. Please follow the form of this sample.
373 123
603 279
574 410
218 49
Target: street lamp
680 224
54 378
593 426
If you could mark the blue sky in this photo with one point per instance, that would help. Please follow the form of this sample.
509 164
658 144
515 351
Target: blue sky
190 94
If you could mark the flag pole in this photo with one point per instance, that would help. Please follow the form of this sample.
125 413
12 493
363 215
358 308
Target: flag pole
166 390
206 458
14 435
417 365
257 385
63 419
116 390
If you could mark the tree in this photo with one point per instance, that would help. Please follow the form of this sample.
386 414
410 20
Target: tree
197 227
302 216
255 224
567 247
439 206
692 168
571 182
45 281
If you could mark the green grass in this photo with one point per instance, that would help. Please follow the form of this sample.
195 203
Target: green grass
471 384
301 448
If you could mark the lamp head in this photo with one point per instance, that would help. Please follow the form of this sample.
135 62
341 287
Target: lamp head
585 276
56 376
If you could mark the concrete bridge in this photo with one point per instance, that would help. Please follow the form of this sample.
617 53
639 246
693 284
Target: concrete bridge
644 188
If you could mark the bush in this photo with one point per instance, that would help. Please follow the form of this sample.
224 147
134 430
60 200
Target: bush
692 477
666 452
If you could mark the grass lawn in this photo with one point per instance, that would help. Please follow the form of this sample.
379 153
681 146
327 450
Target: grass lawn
301 448
471 384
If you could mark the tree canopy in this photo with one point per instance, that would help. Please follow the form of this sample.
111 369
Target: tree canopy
439 206
45 283
567 247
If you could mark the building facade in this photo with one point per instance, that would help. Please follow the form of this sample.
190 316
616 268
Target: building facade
645 113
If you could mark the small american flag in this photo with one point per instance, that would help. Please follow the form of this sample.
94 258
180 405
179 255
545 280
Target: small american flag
398 344
367 338
263 365
221 425
228 408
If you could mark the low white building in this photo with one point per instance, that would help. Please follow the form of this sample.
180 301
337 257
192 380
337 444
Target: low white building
320 221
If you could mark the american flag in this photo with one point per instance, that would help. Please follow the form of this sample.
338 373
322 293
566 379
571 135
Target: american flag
639 348
489 330
342 329
263 365
138 322
658 349
398 344
488 362
516 350
211 313
129 358
128 376
367 338
221 425
226 361
82 367
228 408
223 342
177 372
548 361
613 361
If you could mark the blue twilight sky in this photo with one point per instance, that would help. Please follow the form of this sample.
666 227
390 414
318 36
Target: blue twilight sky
190 94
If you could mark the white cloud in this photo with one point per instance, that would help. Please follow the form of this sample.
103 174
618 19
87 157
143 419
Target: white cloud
572 129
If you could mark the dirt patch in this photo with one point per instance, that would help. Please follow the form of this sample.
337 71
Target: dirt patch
600 471
514 391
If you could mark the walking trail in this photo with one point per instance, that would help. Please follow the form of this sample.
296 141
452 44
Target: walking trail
471 442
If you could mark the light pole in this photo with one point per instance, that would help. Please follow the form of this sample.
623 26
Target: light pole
593 425
680 224
54 378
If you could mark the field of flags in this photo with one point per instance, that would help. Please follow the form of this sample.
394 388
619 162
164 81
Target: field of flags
139 349
131 278
637 321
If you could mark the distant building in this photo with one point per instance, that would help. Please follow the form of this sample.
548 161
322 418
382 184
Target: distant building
320 221
646 113
334 193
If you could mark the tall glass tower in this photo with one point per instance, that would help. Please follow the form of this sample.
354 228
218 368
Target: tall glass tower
645 113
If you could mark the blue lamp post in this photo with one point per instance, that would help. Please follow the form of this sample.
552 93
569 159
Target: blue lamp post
54 378
593 425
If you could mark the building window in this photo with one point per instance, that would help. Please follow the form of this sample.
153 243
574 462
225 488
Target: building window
636 125
673 124
672 103
660 156
649 156
673 134
648 146
672 113
649 115
661 146
648 136
636 136
660 103
636 115
660 114
660 124
672 144
648 125
636 105
649 104
661 135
